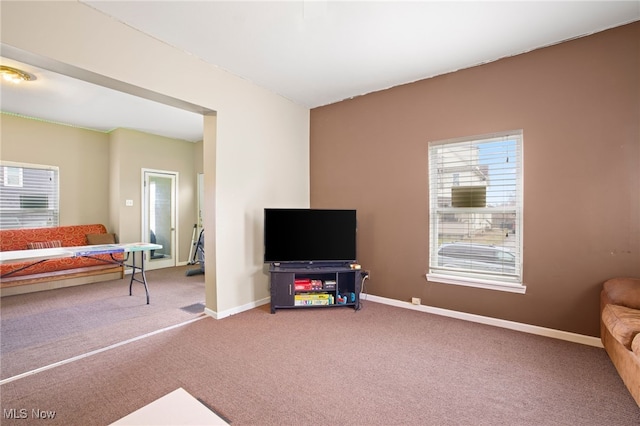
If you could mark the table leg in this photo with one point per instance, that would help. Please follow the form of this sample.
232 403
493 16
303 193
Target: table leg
133 274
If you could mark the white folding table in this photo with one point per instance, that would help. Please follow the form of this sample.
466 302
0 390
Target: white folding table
130 250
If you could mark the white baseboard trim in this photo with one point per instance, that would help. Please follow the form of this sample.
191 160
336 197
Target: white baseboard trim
511 325
236 310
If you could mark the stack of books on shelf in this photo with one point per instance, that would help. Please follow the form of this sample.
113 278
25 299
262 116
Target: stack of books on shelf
307 299
306 284
329 285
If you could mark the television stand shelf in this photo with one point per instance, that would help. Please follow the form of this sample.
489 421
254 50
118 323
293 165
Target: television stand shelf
314 287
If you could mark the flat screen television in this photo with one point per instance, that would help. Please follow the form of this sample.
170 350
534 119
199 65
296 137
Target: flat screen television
309 236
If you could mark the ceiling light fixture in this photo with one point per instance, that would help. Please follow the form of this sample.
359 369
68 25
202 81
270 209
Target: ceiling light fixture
15 75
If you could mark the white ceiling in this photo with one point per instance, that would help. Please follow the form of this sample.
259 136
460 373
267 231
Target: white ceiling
62 99
318 52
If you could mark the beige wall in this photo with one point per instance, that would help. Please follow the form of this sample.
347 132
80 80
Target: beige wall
99 171
81 155
579 106
208 151
137 151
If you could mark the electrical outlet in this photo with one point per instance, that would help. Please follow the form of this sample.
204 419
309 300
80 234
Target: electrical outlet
415 300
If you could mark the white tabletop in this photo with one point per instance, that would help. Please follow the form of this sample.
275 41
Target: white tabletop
34 254
140 246
74 251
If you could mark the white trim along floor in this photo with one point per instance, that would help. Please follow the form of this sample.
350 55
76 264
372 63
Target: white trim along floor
526 328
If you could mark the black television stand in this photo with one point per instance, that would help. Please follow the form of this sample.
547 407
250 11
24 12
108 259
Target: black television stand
295 286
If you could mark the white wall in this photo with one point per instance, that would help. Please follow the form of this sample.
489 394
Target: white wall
261 145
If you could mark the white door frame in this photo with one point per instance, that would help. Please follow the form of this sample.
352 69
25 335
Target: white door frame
173 259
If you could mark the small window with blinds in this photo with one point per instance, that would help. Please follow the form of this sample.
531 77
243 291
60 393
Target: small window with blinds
475 199
29 196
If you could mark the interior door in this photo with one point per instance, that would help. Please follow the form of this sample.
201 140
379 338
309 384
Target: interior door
159 219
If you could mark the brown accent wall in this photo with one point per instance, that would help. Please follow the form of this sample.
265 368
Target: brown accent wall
578 104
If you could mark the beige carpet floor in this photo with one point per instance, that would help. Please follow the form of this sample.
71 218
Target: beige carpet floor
42 328
381 365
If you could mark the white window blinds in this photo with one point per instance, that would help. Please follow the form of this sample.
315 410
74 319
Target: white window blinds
475 187
29 196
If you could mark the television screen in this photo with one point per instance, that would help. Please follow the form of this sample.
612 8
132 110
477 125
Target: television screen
309 235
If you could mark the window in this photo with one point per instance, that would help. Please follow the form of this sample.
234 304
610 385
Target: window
475 206
12 176
29 196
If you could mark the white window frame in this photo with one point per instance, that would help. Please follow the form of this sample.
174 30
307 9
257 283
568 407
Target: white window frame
441 203
13 212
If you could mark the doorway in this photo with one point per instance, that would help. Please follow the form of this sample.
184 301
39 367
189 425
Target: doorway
159 217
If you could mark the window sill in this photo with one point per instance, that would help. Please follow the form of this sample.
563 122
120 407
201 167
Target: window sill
477 283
